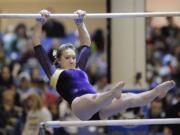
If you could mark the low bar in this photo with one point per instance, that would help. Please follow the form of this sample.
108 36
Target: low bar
130 122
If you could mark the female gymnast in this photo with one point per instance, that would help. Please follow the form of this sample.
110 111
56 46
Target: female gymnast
71 81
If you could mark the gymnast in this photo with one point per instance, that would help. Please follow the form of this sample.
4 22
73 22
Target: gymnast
68 77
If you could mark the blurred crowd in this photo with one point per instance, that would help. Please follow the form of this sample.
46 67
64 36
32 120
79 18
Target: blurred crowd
163 63
27 99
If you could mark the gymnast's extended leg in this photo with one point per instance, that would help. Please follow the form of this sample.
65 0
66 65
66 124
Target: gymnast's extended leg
130 100
84 107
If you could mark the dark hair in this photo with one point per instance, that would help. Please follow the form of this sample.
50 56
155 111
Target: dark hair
58 53
21 26
98 38
54 28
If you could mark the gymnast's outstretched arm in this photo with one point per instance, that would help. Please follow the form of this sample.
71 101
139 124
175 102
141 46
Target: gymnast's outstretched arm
38 49
84 39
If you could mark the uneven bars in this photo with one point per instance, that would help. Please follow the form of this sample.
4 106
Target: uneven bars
93 15
133 122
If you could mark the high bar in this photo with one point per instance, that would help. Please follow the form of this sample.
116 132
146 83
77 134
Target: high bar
92 15
130 122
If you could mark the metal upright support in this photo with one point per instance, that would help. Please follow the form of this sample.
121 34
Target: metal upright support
42 129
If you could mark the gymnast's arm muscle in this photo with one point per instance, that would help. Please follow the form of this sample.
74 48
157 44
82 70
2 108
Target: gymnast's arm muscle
84 37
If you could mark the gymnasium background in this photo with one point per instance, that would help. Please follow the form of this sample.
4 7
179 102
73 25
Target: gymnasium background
142 52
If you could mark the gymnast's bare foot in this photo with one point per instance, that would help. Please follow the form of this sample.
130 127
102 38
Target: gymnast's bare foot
117 89
162 89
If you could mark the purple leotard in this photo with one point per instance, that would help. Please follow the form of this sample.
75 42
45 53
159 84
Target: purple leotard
71 83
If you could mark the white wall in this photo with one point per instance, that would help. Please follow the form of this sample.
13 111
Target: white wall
128 43
165 6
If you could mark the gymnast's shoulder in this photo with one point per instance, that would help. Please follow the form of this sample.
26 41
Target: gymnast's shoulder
55 76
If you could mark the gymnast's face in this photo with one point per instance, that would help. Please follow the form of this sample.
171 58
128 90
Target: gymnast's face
68 59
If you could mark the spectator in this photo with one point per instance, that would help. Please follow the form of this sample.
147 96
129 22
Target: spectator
156 112
6 78
3 59
24 87
9 112
174 112
36 113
